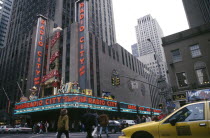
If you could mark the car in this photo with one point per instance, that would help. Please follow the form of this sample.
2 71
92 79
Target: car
20 129
6 129
189 121
114 126
128 122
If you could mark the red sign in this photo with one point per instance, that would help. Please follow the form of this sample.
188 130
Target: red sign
82 49
39 50
132 107
54 56
50 75
55 38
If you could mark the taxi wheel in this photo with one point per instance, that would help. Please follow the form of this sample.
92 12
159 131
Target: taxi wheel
142 135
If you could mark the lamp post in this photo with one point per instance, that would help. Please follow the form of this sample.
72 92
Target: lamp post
161 81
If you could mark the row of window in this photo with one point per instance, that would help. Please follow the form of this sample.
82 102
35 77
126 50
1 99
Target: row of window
195 52
202 77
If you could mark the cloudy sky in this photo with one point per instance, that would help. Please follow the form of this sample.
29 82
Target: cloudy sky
169 14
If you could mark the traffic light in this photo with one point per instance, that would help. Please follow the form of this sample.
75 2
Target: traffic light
117 81
113 81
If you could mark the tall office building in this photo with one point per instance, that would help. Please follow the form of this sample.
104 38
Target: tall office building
5 12
17 59
134 49
149 42
197 12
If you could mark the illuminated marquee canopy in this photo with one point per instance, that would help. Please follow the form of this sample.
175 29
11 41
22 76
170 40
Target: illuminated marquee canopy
80 101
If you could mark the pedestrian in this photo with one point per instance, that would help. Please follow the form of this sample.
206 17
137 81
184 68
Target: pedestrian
155 118
103 121
90 121
63 124
138 119
46 126
35 128
148 118
143 119
95 131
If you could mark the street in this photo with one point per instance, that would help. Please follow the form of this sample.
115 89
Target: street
52 135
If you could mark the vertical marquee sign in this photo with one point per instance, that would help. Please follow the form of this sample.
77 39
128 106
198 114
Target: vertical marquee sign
39 50
82 43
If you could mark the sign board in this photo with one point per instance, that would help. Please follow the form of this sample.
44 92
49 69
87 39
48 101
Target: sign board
179 97
39 51
199 95
126 107
66 101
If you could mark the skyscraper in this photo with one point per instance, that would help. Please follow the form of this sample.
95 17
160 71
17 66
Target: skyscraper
134 49
5 12
16 59
197 12
149 42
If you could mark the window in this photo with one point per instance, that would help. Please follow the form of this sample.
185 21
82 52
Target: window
190 113
176 56
195 51
202 76
181 79
201 72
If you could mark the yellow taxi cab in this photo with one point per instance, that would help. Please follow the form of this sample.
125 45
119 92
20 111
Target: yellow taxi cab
189 121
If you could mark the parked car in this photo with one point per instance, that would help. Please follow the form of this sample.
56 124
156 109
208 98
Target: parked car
20 129
114 126
6 129
189 121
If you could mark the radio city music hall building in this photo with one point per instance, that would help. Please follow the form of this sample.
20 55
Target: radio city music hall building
83 64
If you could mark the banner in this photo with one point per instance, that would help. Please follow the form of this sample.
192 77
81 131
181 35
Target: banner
198 95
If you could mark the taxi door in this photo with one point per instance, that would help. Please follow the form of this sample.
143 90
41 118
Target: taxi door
188 122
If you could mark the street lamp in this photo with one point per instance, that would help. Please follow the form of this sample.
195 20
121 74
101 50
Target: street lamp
155 56
161 80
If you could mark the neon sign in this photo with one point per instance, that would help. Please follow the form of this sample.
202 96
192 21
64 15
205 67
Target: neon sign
54 56
39 50
68 101
50 75
82 41
126 107
55 38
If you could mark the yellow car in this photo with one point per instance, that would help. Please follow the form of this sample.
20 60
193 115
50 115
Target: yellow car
189 121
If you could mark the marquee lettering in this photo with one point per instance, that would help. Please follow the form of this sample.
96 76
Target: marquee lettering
39 50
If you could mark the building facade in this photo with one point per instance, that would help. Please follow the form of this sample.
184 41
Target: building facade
62 61
149 42
5 13
197 12
188 63
22 36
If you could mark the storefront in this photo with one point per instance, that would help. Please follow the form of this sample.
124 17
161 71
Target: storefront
47 109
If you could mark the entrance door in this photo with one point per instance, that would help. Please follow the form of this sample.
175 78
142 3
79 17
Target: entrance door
191 122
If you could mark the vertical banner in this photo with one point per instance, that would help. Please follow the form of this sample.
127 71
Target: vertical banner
39 51
82 49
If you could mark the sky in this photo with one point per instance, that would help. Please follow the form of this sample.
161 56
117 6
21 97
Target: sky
169 14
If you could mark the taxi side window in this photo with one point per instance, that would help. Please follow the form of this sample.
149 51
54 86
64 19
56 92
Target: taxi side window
190 113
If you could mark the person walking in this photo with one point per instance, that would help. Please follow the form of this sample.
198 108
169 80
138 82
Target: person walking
138 119
103 121
95 131
63 124
90 121
40 126
148 118
46 126
143 119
